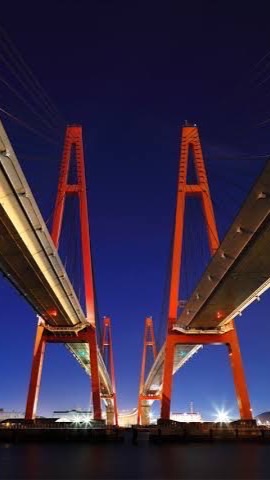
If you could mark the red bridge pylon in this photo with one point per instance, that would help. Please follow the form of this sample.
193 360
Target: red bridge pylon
190 139
73 139
148 343
107 346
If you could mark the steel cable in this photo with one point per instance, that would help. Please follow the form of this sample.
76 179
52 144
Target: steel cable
34 84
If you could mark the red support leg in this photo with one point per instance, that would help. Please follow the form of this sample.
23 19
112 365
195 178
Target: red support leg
239 376
107 344
167 379
139 413
33 392
94 373
115 409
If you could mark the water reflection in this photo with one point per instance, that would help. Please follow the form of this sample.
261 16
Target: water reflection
129 461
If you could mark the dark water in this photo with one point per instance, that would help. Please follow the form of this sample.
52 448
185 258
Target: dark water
128 461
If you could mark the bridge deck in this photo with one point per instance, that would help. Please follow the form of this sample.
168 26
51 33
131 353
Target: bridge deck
239 269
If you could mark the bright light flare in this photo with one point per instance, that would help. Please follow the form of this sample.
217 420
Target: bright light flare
222 416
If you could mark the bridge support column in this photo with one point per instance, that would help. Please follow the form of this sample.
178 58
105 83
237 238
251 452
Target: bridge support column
140 405
107 351
139 412
115 410
239 376
110 414
94 373
145 413
167 378
34 386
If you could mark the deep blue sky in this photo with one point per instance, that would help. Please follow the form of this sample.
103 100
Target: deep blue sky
131 73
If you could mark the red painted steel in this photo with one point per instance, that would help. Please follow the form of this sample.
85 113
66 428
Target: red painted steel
73 139
33 391
190 139
148 341
107 344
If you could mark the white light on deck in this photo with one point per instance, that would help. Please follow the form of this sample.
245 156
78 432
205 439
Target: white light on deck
222 416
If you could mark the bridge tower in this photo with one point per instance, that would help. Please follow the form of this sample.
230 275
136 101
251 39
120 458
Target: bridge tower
73 140
143 401
191 140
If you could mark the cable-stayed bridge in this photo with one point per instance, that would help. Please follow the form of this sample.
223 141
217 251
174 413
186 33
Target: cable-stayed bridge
237 274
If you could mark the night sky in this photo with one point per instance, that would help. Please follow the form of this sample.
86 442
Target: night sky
131 72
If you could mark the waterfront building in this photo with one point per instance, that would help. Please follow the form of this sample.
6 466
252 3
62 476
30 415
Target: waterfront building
186 417
4 415
74 415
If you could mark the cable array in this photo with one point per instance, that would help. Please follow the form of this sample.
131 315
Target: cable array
18 78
